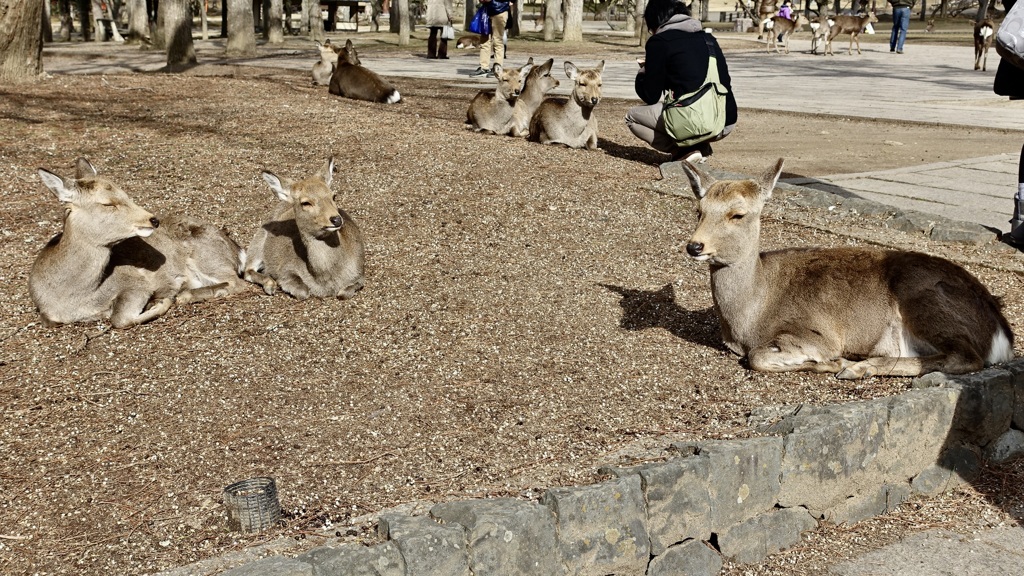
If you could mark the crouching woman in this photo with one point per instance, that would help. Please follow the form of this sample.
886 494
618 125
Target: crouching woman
676 61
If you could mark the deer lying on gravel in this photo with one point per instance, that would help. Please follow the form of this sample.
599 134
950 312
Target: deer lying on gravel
855 312
490 111
115 260
324 67
352 80
538 83
470 41
851 25
308 247
983 33
779 26
571 122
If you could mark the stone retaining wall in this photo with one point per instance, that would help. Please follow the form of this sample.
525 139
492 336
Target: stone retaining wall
740 499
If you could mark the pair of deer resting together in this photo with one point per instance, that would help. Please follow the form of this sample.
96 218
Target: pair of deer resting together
518 107
854 312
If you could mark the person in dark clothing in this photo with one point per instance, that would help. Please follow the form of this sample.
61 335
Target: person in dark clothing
1010 82
676 61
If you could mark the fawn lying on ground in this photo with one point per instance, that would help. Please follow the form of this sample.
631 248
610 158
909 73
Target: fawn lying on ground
571 122
491 110
779 26
983 33
352 80
851 25
324 67
116 260
538 83
855 312
308 247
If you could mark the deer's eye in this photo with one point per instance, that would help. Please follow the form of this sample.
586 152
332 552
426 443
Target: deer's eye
306 204
737 217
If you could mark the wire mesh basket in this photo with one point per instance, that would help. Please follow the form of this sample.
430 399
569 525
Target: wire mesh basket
252 505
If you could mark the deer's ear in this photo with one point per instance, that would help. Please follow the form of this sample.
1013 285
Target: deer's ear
525 71
699 181
600 67
279 187
327 171
767 181
56 185
84 168
571 70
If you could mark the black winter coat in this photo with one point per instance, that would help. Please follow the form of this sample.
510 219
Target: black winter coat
1009 78
678 61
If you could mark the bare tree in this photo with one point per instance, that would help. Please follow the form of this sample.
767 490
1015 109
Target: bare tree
552 8
982 11
176 18
21 41
573 31
273 25
241 29
316 20
138 22
404 23
67 25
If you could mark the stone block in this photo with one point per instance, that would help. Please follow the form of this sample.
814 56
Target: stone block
1006 448
869 504
751 541
355 560
678 501
691 558
429 549
601 528
743 478
1016 370
273 566
919 424
831 456
957 464
896 495
505 536
985 406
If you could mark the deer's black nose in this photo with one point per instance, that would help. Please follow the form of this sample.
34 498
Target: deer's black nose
694 248
337 221
155 222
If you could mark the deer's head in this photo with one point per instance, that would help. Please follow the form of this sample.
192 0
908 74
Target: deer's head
587 88
316 213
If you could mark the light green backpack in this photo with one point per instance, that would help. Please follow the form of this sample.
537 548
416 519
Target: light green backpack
700 115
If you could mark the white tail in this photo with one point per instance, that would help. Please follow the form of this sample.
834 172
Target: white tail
324 67
491 110
784 27
855 312
820 29
851 25
571 122
538 83
308 247
983 33
116 260
352 80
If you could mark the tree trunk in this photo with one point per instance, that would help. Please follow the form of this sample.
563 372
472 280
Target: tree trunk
316 22
573 31
469 13
515 19
982 11
404 25
223 18
85 19
204 19
67 25
138 22
241 29
273 26
257 13
394 15
551 10
47 26
21 41
177 25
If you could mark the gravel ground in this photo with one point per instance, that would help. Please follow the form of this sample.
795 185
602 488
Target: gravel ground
528 315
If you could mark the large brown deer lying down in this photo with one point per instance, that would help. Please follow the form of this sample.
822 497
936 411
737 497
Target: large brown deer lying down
538 83
490 111
571 122
780 26
324 67
851 25
308 247
983 33
352 80
855 312
116 260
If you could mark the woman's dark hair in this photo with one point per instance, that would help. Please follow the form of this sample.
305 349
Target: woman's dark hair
659 11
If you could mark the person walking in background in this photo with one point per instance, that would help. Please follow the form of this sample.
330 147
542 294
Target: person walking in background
676 60
439 15
498 11
1009 81
900 24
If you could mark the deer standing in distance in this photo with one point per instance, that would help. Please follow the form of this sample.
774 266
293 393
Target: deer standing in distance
324 67
853 312
490 111
851 25
538 83
820 29
785 27
983 33
353 80
115 260
308 246
571 122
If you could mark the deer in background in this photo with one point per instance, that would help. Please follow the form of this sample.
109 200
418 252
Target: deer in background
352 80
324 68
983 33
115 260
820 29
538 83
853 312
308 247
779 26
491 110
571 122
851 25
